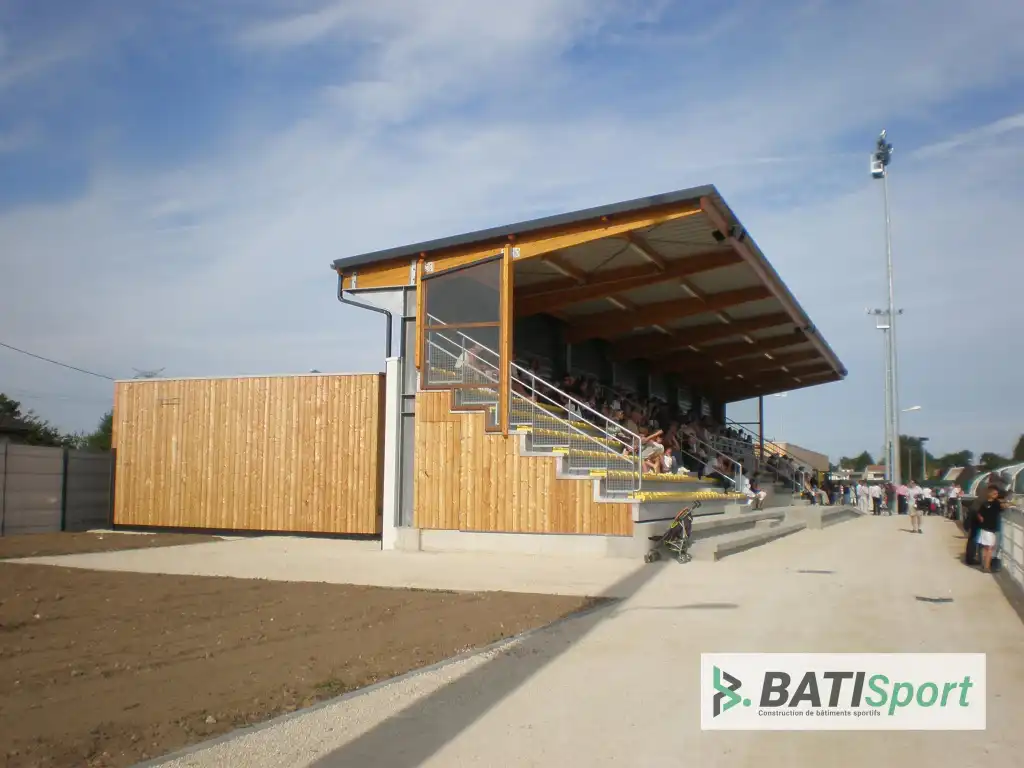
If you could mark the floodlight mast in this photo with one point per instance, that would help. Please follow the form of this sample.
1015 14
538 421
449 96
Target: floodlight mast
880 160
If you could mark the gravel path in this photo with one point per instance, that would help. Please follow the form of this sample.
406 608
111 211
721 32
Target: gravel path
619 686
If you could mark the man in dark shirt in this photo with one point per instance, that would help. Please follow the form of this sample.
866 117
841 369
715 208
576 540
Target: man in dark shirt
988 518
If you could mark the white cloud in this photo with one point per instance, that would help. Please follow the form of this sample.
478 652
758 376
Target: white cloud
967 139
452 115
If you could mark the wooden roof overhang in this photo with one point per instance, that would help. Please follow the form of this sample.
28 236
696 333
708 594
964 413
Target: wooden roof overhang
673 279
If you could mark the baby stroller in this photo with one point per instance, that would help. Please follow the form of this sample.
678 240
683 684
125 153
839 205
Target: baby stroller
676 538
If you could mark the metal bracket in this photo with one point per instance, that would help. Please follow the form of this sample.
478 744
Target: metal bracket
352 280
412 272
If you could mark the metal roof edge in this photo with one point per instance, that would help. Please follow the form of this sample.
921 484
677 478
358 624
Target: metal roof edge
522 227
781 290
248 376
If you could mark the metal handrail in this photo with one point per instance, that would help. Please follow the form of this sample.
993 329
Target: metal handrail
618 429
611 435
584 406
547 384
635 455
779 451
631 449
554 402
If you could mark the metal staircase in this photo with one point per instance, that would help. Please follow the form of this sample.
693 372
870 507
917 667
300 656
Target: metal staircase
794 479
587 445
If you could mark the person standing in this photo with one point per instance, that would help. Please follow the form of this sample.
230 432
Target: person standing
875 491
989 516
914 507
863 499
901 499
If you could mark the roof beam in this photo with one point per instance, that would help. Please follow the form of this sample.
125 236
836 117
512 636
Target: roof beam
657 344
644 248
608 325
550 297
744 389
778 361
738 240
578 276
734 353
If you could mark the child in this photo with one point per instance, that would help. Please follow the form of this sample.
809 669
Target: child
988 525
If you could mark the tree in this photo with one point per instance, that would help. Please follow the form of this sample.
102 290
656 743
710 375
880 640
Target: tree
99 439
959 459
910 459
1018 450
991 461
41 432
857 463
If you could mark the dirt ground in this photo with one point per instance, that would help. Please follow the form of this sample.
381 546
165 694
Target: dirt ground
49 544
109 669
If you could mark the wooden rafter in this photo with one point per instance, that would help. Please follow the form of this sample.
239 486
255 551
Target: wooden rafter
641 246
751 385
743 388
578 276
736 355
550 297
778 361
657 344
609 325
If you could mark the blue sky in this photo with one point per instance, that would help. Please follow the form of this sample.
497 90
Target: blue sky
176 175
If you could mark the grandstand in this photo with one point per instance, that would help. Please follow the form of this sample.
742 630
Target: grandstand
664 300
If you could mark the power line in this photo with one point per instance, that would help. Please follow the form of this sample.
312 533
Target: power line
31 394
56 362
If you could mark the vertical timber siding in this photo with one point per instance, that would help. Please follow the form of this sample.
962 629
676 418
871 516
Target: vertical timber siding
277 453
471 480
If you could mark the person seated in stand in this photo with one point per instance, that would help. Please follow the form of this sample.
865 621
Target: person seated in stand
717 469
759 495
651 450
669 461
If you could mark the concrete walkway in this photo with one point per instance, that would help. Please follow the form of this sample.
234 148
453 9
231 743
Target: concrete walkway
620 686
337 561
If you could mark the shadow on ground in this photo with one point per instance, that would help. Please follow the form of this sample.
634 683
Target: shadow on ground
687 607
410 737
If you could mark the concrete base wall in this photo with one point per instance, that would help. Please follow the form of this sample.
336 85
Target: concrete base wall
735 518
817 517
423 540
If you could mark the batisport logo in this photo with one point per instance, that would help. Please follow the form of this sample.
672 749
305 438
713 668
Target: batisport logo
831 692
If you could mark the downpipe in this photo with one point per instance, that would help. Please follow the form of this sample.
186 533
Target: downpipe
353 303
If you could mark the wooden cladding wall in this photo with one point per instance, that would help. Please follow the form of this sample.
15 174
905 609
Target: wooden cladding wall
471 480
279 453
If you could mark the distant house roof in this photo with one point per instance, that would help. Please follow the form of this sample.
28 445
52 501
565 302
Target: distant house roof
875 468
9 425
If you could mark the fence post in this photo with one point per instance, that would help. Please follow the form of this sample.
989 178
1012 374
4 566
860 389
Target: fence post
64 489
392 452
3 487
112 479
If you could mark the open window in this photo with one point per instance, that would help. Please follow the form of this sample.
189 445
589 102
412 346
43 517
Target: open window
465 339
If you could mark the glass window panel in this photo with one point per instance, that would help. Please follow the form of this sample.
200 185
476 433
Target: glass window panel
469 295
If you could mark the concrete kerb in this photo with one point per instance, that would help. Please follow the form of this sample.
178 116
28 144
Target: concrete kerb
816 517
601 603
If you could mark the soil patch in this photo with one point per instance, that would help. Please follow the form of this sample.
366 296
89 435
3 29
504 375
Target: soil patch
52 544
109 669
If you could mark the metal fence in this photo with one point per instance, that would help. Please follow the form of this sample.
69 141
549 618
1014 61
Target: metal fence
1011 546
53 489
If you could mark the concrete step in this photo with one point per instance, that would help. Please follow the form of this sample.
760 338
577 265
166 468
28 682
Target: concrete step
719 547
817 517
560 434
737 519
683 496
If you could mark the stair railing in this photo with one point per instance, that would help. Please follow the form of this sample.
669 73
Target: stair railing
797 477
603 447
552 415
